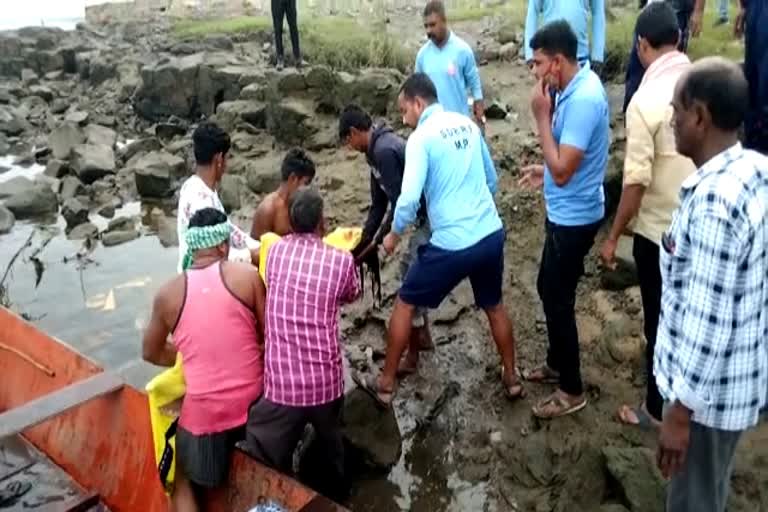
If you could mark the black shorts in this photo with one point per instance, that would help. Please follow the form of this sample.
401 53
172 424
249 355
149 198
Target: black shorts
436 272
204 459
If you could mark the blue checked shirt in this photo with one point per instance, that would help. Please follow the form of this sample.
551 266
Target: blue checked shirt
712 345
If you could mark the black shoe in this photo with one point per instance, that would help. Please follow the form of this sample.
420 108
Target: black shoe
720 22
280 64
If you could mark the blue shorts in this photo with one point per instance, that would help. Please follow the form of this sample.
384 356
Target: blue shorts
436 272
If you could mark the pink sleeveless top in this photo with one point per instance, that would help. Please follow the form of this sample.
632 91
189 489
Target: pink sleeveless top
223 362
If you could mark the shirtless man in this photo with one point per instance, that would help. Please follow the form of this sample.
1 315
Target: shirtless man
297 170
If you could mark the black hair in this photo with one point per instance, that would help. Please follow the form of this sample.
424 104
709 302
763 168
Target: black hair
305 210
556 38
435 7
207 217
720 85
353 117
657 24
297 162
419 85
209 140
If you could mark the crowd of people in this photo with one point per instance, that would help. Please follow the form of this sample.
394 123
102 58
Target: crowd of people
262 357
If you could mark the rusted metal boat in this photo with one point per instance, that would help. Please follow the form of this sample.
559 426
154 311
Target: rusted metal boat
81 438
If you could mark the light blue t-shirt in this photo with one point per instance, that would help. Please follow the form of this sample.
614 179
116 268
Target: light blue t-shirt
447 158
576 13
581 120
452 69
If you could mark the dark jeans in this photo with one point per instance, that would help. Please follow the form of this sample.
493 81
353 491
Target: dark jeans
273 431
285 9
562 265
635 69
646 255
756 71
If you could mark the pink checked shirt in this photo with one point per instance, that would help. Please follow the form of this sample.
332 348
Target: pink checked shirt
307 282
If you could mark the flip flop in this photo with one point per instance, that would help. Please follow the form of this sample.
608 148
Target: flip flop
563 408
370 384
514 392
644 420
12 492
542 375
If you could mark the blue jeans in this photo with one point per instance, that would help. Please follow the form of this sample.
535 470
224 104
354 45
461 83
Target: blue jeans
756 71
635 69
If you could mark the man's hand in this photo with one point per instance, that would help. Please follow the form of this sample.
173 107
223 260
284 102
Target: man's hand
741 18
695 23
541 101
478 109
390 242
608 254
362 252
673 440
533 176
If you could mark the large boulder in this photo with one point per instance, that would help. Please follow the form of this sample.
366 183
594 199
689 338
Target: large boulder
289 121
263 175
63 140
56 169
101 69
12 121
92 162
231 113
373 89
7 220
15 186
229 191
100 135
74 213
637 476
113 238
156 172
45 61
36 201
138 147
371 431
71 186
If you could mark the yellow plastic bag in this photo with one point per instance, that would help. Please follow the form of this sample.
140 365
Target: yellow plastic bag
341 238
165 393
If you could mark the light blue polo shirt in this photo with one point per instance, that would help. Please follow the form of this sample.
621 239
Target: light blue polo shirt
581 120
452 68
447 158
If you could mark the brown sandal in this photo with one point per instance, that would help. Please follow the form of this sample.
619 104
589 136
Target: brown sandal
514 391
556 406
542 375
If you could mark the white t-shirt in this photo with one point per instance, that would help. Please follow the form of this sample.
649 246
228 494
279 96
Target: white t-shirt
196 195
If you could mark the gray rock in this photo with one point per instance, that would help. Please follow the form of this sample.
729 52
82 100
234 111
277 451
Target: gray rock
107 211
509 52
100 135
41 91
231 113
71 187
229 191
289 122
54 75
77 117
92 162
254 92
372 432
45 61
83 231
635 471
29 77
140 146
262 178
12 122
59 106
104 119
167 131
56 169
488 51
7 220
156 172
166 231
321 77
74 212
100 70
113 238
15 186
33 202
63 140
122 224
5 146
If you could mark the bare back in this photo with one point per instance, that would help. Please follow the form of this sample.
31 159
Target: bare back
271 216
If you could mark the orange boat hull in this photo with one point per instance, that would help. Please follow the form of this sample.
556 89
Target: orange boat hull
105 444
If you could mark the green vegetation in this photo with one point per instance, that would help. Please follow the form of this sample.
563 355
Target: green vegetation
338 42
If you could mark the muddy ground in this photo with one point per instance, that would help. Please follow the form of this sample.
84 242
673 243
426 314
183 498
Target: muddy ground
476 451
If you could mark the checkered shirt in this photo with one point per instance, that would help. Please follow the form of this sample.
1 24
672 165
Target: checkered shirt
307 282
712 345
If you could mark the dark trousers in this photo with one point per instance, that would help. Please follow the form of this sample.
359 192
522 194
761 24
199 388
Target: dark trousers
756 71
562 265
646 255
635 69
285 9
273 431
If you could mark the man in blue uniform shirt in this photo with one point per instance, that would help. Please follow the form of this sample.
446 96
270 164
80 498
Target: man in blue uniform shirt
450 64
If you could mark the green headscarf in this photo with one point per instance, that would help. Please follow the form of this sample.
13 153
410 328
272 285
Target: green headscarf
204 237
